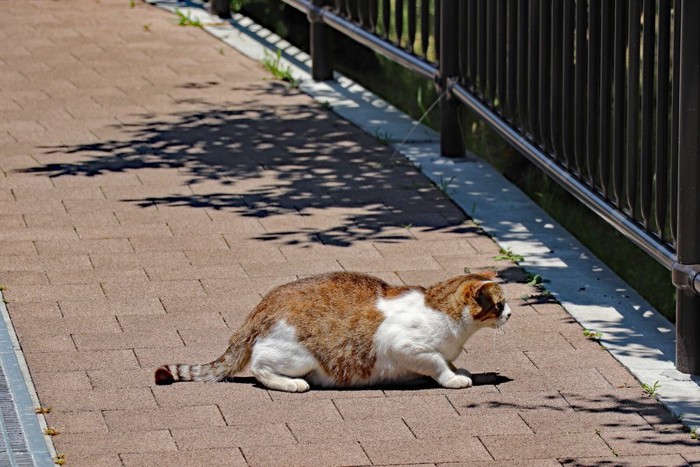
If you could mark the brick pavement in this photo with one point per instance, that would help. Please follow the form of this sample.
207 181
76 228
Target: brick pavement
154 184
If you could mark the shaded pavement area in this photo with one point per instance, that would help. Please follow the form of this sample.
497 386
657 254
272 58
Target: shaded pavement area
154 184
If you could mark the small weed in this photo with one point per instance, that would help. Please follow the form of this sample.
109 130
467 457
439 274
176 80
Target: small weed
508 255
406 226
185 19
326 105
272 63
51 431
147 27
444 185
42 409
60 459
593 335
534 279
132 3
220 50
384 137
651 390
694 433
2 287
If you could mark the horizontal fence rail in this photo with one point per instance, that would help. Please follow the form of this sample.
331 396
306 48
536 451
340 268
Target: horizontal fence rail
588 90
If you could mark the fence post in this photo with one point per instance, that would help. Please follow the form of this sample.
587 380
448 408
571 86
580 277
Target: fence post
220 8
320 38
451 143
687 269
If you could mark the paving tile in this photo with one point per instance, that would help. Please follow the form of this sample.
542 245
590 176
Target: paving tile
390 263
184 243
392 407
127 340
35 310
194 458
127 289
50 262
77 422
117 378
651 442
164 273
170 259
671 460
83 444
84 246
235 395
581 422
107 399
426 450
273 434
87 276
335 454
349 431
65 325
259 285
52 292
549 445
17 248
83 360
65 380
470 403
466 425
132 306
164 418
261 412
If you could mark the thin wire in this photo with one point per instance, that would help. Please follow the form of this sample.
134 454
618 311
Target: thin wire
430 109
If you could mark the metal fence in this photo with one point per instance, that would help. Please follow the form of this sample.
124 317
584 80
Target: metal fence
602 95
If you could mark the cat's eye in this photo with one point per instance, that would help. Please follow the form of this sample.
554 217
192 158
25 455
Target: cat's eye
500 307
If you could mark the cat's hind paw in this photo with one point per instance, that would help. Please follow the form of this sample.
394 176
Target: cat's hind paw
299 385
457 382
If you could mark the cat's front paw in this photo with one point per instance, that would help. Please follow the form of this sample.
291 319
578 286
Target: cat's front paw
457 382
297 385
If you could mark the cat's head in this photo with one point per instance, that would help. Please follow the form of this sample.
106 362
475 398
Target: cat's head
484 300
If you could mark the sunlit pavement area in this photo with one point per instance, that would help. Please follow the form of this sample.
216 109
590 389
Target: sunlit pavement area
155 183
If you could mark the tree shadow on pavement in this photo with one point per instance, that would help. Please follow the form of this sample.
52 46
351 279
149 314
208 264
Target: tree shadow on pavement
261 158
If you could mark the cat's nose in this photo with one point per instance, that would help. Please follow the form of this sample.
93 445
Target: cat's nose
505 314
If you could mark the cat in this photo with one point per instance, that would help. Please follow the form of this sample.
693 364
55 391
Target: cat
349 329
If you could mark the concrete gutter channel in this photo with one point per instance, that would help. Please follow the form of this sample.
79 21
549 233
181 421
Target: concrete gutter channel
635 333
632 331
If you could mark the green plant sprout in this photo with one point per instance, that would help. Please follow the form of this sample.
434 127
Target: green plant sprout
185 19
383 137
444 185
594 335
508 255
272 63
651 390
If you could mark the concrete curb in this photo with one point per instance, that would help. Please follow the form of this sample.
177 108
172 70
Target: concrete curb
632 330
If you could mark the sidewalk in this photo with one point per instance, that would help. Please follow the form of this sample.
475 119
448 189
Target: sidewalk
154 184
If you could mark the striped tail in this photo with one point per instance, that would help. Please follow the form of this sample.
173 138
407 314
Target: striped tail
232 361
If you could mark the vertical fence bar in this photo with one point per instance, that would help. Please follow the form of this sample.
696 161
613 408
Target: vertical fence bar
512 47
398 21
580 86
633 31
619 99
545 72
522 65
556 82
501 54
534 69
481 46
411 25
688 297
675 112
567 82
220 8
473 43
606 17
425 27
593 91
386 18
451 144
647 134
491 50
662 120
320 37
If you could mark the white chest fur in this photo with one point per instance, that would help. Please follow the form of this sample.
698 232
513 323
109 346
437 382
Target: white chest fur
410 327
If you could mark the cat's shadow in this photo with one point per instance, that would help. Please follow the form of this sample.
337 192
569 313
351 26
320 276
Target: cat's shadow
418 384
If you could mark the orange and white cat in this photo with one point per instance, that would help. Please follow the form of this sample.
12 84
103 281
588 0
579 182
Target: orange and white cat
348 329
